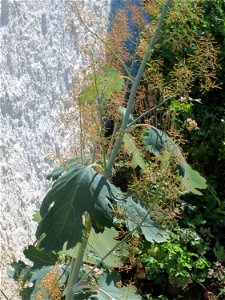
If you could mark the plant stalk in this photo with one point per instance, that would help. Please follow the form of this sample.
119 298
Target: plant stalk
133 93
77 263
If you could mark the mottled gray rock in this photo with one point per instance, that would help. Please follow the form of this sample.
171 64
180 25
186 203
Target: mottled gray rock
39 53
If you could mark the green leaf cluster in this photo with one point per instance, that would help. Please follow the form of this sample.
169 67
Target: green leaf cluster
103 82
180 259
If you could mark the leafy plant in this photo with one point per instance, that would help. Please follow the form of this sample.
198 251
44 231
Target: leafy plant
82 212
180 259
107 289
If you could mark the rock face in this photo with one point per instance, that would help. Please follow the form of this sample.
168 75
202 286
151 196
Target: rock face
39 54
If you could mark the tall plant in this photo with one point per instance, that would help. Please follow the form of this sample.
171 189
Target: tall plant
83 203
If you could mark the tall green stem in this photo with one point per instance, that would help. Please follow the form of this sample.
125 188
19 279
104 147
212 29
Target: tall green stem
133 92
77 263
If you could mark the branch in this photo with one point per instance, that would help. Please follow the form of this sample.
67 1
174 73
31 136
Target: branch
77 263
148 111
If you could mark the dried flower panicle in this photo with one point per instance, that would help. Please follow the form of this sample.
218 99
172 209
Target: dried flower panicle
204 62
137 16
51 286
159 188
153 7
117 38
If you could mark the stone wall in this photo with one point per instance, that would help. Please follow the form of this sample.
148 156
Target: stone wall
40 54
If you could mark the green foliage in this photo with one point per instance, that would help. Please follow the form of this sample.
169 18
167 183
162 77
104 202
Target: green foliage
107 289
219 252
214 20
77 214
39 257
98 246
156 142
207 212
20 271
187 24
207 144
79 190
179 107
54 175
135 214
104 82
36 277
108 284
180 259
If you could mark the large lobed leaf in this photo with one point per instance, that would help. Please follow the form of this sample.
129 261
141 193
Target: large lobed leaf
39 257
104 82
80 189
98 246
135 214
156 142
107 290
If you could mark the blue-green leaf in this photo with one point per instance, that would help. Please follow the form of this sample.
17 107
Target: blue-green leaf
54 175
80 189
24 273
107 290
98 246
156 142
39 257
134 214
30 293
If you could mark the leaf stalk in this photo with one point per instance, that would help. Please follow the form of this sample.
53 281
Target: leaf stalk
78 262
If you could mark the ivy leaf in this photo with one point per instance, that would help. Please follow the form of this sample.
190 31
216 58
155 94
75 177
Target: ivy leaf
155 141
134 214
132 150
80 189
39 257
104 82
